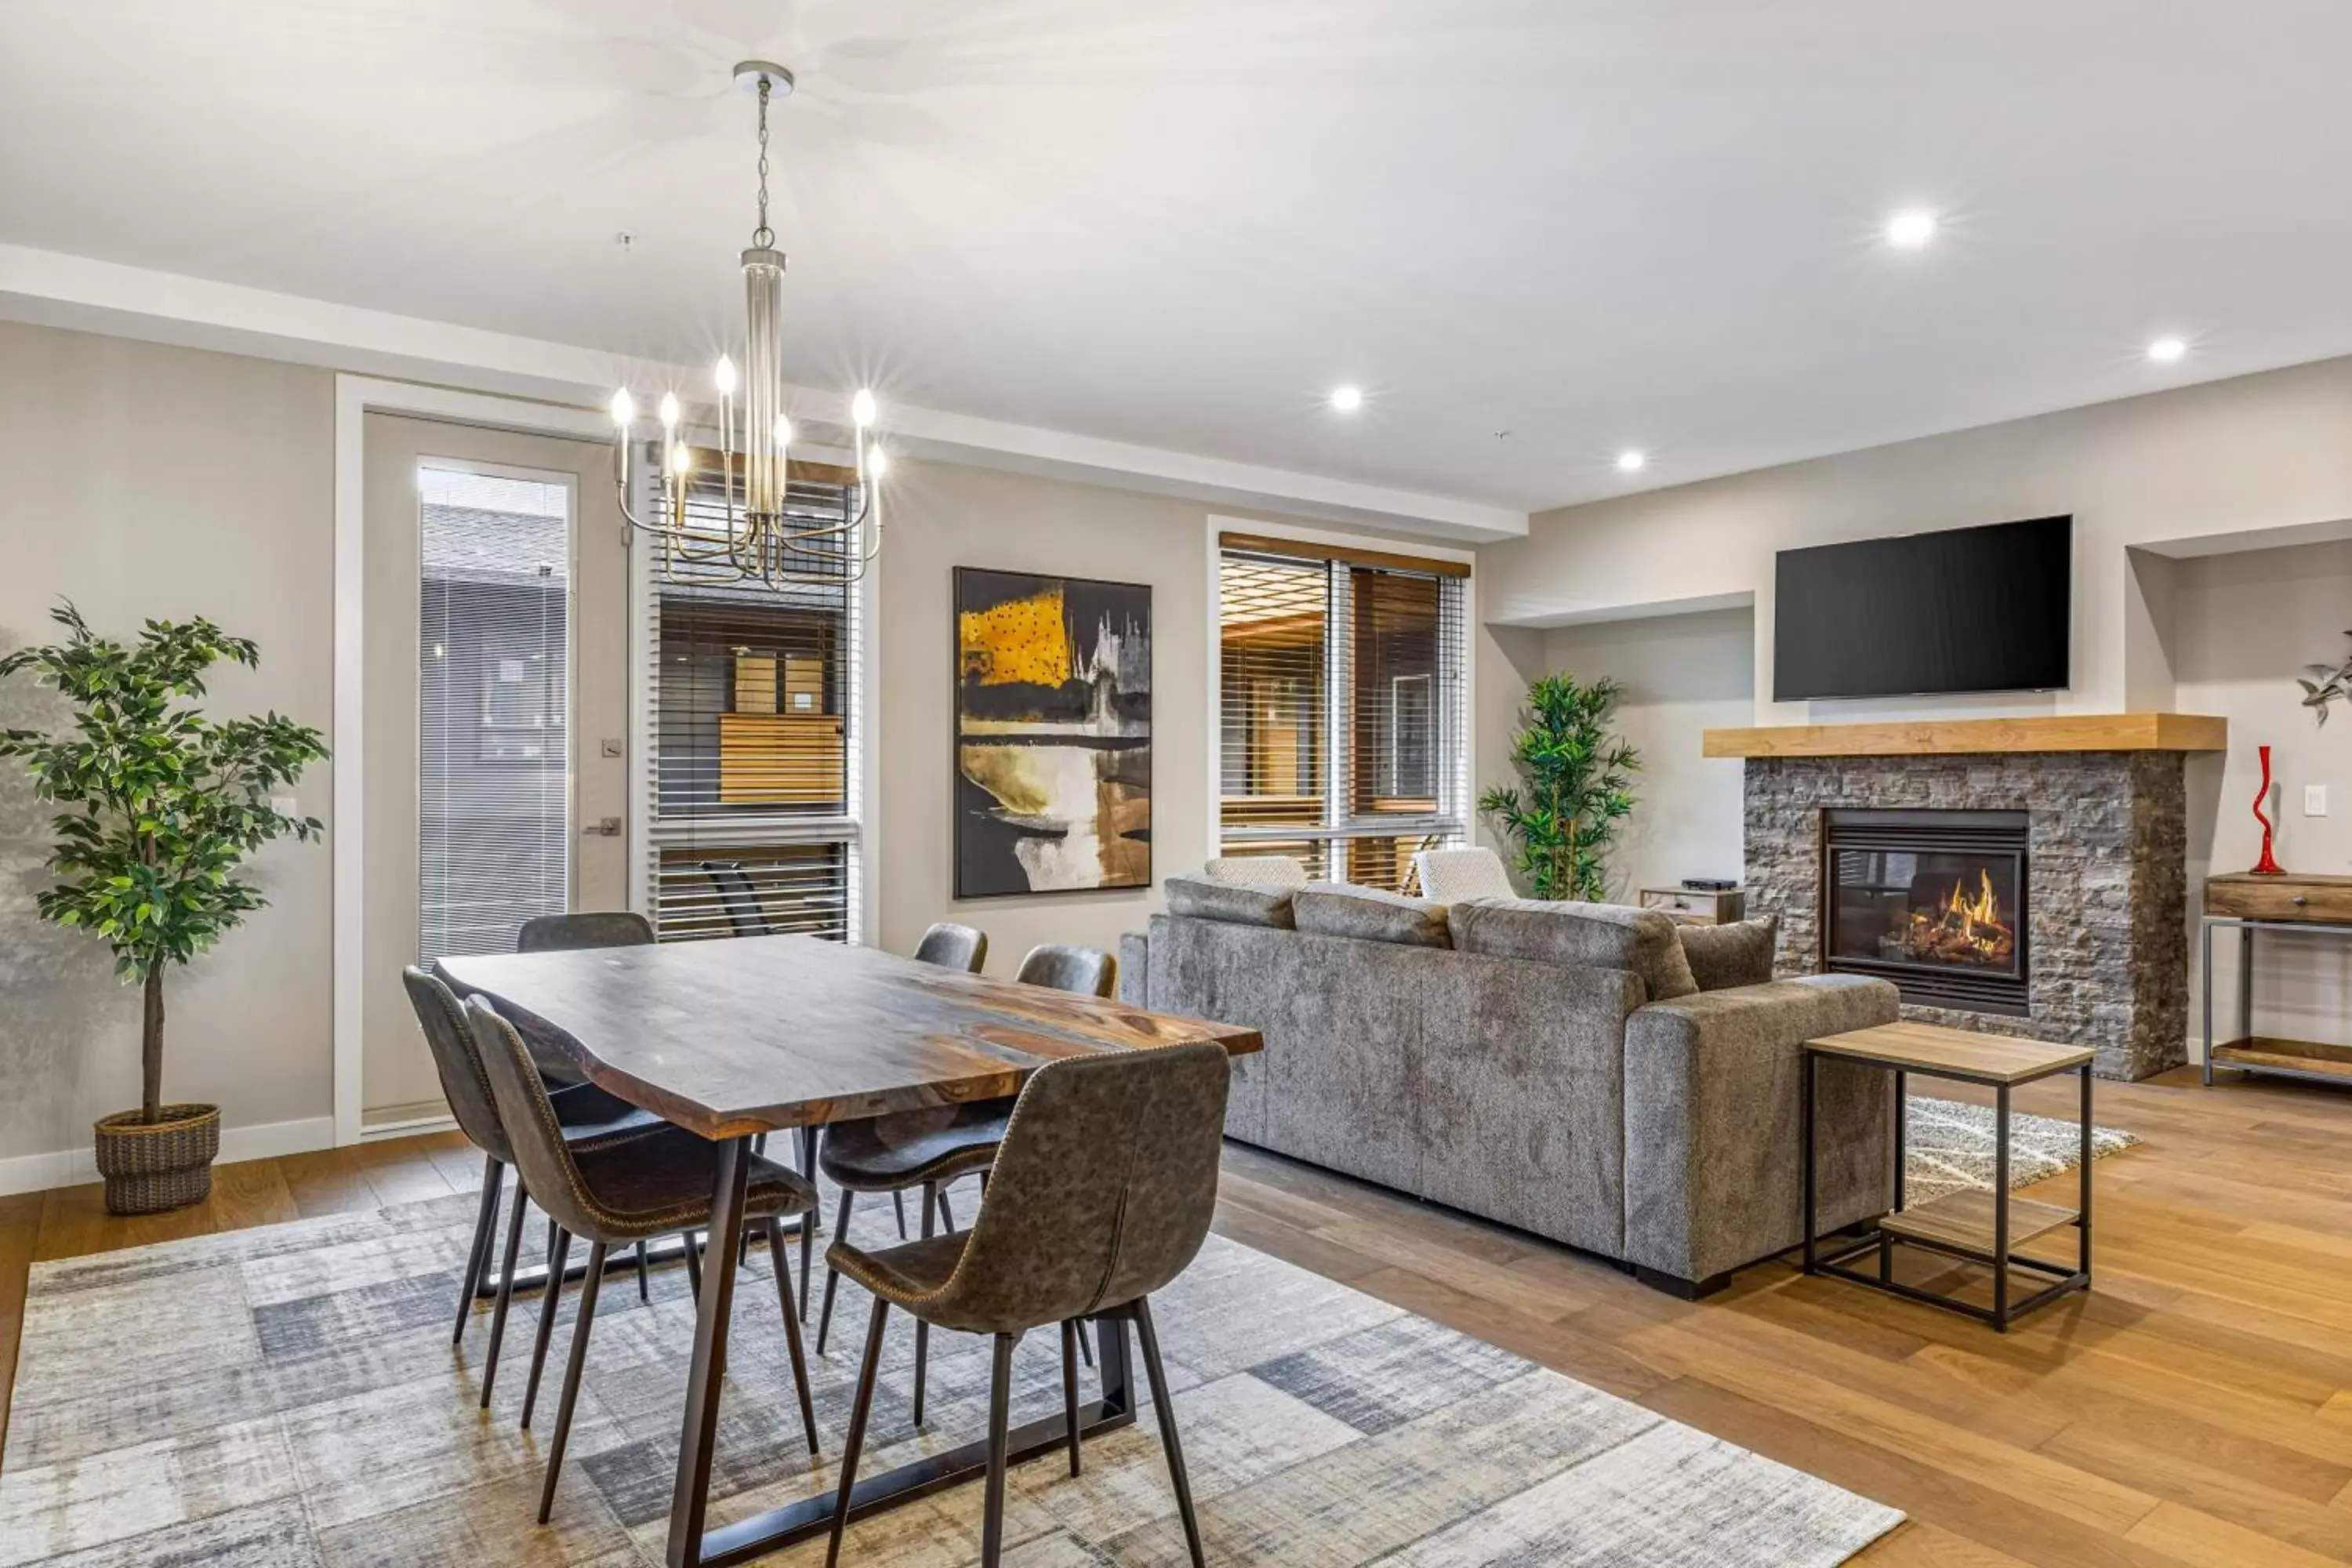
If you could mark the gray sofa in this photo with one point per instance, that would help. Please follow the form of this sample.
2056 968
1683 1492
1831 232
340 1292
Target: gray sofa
1553 1066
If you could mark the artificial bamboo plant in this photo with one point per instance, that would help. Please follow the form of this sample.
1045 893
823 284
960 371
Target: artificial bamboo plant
1575 787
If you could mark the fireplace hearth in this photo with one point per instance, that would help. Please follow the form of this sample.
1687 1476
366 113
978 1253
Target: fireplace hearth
1932 900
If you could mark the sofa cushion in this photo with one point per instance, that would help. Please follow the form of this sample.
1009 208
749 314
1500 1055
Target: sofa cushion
1738 952
1368 915
1593 936
1233 903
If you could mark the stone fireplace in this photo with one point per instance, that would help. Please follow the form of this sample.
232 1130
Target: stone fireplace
2035 893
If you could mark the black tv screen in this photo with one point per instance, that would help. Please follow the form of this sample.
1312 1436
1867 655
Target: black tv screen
1968 610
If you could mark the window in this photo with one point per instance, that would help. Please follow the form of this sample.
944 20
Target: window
494 806
1340 736
754 700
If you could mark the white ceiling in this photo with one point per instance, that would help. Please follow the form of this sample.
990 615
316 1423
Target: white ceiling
1591 223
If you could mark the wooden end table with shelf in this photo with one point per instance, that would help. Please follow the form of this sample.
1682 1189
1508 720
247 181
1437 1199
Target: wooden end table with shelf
2319 906
1973 1225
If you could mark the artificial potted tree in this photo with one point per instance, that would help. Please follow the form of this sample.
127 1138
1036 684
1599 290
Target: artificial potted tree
1576 787
165 805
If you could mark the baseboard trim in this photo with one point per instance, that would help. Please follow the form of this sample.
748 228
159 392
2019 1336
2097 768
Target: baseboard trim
408 1126
76 1167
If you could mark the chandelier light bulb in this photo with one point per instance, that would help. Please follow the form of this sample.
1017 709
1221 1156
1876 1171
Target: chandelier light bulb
669 410
878 463
722 376
862 409
681 460
625 408
783 431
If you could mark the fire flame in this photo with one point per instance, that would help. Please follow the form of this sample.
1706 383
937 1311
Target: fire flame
1965 924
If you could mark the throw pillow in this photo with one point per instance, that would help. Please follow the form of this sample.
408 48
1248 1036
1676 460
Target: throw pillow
1739 952
1368 915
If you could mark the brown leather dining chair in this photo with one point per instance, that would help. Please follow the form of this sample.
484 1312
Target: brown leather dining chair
588 1116
585 929
1103 1191
929 1149
614 1195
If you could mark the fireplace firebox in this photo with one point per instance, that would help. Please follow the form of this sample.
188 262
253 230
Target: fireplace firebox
1932 900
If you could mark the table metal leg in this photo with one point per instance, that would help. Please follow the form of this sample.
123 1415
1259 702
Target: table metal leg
2205 937
2001 1214
2084 1203
2246 982
1902 1158
1805 1121
690 1500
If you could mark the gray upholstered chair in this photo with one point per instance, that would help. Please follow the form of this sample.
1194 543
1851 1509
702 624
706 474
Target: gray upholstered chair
588 1116
1080 969
1256 871
617 1194
951 946
585 929
1102 1193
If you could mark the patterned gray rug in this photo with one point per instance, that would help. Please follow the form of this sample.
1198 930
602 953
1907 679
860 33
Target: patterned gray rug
1948 1145
287 1398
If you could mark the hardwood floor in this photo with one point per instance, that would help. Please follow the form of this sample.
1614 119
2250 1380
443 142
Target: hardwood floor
2196 1408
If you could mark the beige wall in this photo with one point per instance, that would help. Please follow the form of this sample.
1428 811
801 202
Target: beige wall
941 516
2241 629
146 480
1682 674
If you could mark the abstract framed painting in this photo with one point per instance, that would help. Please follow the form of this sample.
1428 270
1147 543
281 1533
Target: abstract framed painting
1052 720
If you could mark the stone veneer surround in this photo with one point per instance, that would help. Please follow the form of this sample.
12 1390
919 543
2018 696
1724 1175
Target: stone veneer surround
2107 876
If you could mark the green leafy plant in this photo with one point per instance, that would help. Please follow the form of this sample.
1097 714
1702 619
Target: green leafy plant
168 802
1576 787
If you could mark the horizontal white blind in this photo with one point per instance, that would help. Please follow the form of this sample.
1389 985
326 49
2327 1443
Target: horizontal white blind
753 694
493 732
1342 731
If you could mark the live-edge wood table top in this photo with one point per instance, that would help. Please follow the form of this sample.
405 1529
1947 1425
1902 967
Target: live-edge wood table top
753 1034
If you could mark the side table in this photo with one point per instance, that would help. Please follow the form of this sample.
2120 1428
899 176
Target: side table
1976 1226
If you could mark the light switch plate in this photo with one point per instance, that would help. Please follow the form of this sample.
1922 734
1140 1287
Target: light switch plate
613 748
2314 800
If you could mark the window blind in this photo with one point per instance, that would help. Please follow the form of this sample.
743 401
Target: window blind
1342 735
753 698
493 731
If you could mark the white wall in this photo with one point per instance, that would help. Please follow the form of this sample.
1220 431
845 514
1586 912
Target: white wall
2241 629
1682 674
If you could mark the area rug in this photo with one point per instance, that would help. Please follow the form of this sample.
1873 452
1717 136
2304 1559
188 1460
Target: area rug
287 1398
1948 1145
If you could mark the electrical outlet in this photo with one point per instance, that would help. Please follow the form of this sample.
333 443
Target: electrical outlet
2314 800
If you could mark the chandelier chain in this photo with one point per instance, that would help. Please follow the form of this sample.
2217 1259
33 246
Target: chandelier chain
764 236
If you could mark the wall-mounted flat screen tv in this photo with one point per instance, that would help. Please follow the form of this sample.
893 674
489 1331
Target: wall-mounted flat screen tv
1968 609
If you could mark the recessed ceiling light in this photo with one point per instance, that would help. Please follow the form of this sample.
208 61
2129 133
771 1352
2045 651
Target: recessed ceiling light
2164 350
1631 460
1347 399
1911 229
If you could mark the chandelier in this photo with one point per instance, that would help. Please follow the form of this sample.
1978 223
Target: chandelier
743 528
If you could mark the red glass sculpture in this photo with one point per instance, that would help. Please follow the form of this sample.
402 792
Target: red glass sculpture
2267 866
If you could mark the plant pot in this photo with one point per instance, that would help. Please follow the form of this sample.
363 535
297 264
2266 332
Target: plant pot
167 1164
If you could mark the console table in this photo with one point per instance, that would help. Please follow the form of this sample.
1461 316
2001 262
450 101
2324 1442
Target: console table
2245 903
1971 1223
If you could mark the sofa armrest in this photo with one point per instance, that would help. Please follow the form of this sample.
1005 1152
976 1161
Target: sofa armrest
1135 969
1714 1121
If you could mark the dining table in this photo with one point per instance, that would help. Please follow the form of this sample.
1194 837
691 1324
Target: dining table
735 1038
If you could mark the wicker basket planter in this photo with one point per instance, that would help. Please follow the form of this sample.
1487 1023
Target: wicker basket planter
167 1165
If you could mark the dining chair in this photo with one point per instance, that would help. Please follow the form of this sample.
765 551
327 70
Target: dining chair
613 1194
585 929
1102 1193
587 1115
953 946
739 897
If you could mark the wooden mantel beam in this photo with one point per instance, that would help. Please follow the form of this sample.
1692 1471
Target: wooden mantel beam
1922 737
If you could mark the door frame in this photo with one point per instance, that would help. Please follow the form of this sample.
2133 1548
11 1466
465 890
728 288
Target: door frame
356 397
